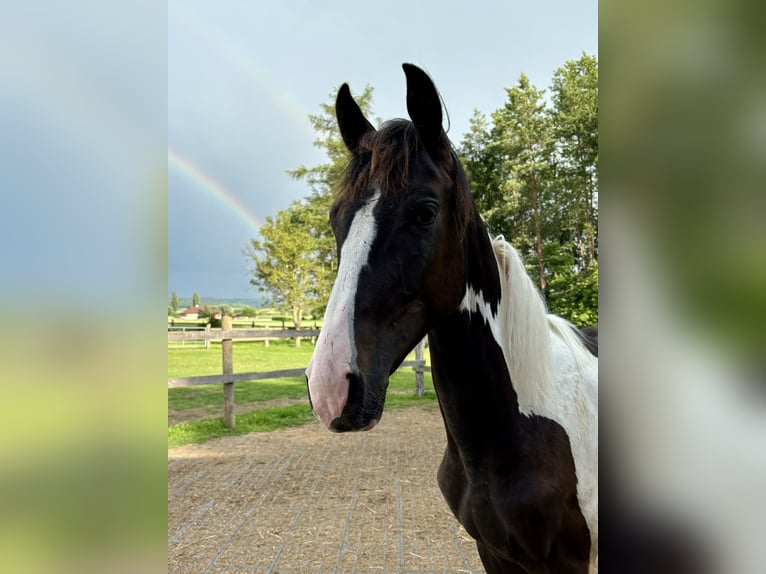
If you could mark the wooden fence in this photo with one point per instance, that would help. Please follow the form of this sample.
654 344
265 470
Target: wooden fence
188 329
227 378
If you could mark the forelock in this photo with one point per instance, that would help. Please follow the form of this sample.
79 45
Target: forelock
383 161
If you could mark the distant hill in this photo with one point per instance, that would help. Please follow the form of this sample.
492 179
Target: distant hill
255 302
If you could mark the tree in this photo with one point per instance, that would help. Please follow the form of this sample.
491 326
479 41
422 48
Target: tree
324 178
195 299
482 158
574 295
524 133
248 311
174 302
287 261
575 120
210 314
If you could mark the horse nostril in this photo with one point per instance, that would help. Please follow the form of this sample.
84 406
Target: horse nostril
355 390
354 378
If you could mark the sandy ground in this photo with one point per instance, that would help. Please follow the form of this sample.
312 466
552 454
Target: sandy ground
306 500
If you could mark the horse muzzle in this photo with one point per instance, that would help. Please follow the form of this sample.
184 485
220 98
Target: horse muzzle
337 398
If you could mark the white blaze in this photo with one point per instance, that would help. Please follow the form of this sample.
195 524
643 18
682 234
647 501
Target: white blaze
335 355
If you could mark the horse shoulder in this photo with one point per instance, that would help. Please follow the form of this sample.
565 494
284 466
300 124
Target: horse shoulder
529 517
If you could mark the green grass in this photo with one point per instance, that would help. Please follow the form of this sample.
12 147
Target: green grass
262 420
254 356
185 398
248 356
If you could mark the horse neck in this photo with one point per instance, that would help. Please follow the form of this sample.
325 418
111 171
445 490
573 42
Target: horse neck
491 357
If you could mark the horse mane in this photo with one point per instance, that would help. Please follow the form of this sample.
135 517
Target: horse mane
384 159
526 330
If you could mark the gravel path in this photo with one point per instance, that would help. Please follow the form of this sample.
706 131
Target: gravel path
306 500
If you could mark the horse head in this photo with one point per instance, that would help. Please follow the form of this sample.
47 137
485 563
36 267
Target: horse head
399 219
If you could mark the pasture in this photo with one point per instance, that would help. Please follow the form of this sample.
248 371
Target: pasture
194 413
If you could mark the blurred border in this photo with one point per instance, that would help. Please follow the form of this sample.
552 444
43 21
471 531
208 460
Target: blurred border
683 286
83 121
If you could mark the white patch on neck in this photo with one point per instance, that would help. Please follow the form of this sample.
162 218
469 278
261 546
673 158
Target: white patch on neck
335 353
473 302
500 326
553 374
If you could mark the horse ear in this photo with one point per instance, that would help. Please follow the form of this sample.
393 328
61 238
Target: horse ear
351 121
424 105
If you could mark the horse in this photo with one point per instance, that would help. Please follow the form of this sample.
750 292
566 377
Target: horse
516 387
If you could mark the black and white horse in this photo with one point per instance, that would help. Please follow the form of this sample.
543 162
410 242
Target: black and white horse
517 387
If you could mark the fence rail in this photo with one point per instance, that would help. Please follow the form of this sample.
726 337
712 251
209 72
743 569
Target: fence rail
232 378
227 335
258 376
187 328
220 334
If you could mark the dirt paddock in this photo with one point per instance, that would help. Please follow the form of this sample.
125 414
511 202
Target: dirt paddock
304 500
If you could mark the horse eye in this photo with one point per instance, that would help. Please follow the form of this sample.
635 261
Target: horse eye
426 214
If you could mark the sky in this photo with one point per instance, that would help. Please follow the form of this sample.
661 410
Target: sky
244 76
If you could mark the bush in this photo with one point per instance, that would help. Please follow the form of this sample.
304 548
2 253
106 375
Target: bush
575 296
248 312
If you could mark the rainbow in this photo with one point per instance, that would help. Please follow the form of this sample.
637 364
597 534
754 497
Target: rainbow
243 62
215 189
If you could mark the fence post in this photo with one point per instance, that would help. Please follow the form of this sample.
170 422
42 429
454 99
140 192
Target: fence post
228 369
207 336
419 380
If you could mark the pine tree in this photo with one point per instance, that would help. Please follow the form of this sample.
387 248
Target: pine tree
523 132
575 117
324 178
